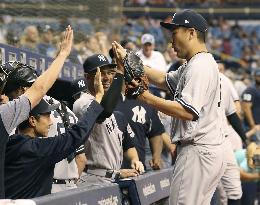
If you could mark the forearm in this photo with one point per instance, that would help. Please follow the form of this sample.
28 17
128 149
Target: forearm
171 108
156 145
167 141
245 176
77 134
248 114
111 97
81 162
237 126
131 155
156 77
238 109
44 82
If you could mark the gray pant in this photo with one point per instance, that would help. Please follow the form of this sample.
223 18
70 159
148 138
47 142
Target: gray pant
87 179
230 181
197 172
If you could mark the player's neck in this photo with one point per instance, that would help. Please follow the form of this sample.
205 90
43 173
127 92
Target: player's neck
197 49
29 132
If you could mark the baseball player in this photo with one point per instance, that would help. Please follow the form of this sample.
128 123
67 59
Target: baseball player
230 181
31 156
112 137
196 108
145 123
17 111
66 171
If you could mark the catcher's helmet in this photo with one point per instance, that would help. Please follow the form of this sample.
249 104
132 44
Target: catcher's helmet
22 75
5 71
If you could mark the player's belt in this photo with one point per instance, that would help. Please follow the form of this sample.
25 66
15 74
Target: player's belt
185 142
112 174
63 181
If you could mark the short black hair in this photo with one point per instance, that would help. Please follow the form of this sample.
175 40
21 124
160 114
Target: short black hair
25 124
201 36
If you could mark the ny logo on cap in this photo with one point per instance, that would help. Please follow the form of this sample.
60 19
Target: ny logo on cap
81 84
173 16
186 21
101 58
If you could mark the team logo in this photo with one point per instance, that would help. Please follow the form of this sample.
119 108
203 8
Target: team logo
186 21
81 84
101 58
139 114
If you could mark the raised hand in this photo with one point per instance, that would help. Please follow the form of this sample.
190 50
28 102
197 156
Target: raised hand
99 90
67 42
119 62
120 51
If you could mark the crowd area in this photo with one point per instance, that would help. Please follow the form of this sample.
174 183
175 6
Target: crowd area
118 146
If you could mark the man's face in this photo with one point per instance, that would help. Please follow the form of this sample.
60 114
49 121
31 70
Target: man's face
147 49
42 125
107 75
180 38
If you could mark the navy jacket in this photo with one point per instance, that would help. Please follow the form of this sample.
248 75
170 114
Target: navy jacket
30 162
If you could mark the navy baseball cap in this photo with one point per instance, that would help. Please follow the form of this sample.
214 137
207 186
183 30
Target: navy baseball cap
187 18
43 107
97 60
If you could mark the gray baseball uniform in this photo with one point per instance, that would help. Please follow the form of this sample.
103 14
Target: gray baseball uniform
200 159
230 95
105 146
230 181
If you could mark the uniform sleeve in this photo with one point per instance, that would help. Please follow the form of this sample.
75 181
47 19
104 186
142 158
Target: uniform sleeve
171 80
196 84
58 148
234 93
84 101
156 126
248 95
230 106
80 150
127 140
15 112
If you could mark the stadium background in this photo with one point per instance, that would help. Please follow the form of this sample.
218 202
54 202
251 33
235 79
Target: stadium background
234 33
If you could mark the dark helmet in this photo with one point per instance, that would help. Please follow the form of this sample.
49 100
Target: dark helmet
5 72
22 76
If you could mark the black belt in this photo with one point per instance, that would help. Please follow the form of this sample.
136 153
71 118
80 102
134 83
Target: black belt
185 142
63 181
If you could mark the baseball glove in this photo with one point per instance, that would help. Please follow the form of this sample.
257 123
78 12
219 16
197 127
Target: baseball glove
134 70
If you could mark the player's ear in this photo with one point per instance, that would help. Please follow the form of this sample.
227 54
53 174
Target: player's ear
192 33
32 121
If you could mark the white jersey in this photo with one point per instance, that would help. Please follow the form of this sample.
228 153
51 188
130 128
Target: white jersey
155 61
197 88
229 96
63 169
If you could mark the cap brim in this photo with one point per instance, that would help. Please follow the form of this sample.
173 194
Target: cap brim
104 66
169 26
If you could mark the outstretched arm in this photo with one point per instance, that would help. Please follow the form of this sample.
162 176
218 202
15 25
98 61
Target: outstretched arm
40 87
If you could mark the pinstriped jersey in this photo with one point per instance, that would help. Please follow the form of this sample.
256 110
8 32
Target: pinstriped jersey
63 169
197 89
108 140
